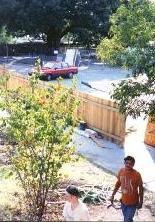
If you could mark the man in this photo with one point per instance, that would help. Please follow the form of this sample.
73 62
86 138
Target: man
131 185
74 209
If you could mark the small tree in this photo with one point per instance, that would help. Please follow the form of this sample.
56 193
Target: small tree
41 123
5 37
131 45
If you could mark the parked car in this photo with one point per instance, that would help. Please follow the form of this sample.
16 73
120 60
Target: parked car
51 70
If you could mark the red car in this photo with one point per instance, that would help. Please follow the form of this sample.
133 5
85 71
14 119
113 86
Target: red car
51 70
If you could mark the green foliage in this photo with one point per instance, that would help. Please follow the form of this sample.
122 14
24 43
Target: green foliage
4 77
53 19
41 123
131 44
35 75
109 51
4 36
134 24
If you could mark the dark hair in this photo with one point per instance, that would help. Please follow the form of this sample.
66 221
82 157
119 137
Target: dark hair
73 190
130 158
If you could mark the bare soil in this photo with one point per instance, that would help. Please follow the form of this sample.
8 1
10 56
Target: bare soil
84 173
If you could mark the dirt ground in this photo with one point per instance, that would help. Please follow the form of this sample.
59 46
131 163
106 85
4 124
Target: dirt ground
84 173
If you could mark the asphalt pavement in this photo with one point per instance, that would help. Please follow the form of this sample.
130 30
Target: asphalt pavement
97 75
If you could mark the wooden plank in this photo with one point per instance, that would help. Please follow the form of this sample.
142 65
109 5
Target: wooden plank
102 105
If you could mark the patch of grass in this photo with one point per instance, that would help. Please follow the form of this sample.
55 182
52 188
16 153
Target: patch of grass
10 195
86 173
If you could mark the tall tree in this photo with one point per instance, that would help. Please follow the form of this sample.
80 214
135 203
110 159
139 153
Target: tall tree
132 45
52 19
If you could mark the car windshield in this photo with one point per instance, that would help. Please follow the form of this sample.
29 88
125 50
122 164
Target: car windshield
65 65
49 65
57 66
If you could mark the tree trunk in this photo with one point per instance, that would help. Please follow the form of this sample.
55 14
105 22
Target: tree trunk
54 38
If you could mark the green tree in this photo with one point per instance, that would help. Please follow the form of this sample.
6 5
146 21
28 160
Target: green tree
132 45
53 19
4 36
41 123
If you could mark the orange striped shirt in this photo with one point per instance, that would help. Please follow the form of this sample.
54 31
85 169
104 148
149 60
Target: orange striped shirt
130 180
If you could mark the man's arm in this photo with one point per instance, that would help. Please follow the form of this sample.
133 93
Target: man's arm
141 194
117 186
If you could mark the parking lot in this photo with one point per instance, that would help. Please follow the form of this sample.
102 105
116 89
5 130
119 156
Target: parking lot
96 75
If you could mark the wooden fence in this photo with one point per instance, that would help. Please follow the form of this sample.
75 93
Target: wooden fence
150 132
101 115
27 48
39 49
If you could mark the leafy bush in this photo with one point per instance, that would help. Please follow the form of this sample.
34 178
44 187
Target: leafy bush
41 123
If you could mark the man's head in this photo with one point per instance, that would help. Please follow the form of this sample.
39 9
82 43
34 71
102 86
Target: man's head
72 193
129 162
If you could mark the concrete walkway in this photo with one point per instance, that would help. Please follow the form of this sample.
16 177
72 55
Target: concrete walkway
111 157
